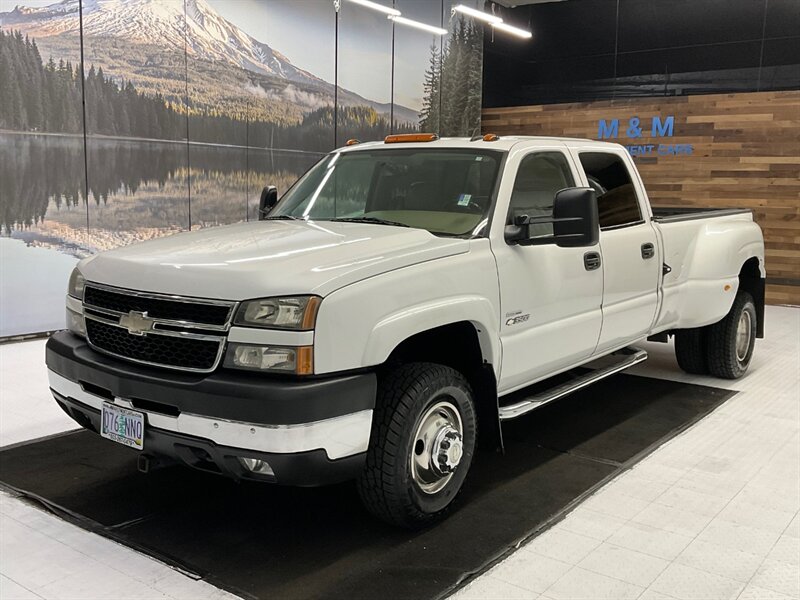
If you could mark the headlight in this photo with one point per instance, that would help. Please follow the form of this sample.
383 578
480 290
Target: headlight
282 359
76 323
294 312
76 283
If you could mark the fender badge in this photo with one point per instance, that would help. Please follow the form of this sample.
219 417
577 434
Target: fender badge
517 320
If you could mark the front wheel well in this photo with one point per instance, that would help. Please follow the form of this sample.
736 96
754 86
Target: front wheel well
456 345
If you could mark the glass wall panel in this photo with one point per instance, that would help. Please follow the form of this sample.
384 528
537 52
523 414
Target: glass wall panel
298 128
42 176
462 72
365 74
135 70
417 68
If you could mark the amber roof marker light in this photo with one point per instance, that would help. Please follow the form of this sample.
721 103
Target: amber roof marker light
491 137
352 142
407 138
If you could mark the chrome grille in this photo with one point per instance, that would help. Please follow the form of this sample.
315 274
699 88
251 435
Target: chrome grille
168 307
156 329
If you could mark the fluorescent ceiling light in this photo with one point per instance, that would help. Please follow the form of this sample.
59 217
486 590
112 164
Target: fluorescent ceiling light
418 25
379 7
478 14
513 30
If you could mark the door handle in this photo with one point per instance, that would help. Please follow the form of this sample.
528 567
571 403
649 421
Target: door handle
648 250
591 261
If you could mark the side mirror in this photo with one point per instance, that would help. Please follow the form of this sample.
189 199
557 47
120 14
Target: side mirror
269 198
575 222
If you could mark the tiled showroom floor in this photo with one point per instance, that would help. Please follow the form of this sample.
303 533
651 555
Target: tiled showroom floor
712 514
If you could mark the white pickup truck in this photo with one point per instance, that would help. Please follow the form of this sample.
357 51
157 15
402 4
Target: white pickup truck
399 295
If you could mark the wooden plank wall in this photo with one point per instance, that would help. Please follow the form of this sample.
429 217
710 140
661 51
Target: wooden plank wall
746 153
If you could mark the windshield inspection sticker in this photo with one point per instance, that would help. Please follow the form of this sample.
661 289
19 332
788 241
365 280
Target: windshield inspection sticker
463 199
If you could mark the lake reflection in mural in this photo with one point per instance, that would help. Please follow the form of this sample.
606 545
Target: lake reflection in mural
137 189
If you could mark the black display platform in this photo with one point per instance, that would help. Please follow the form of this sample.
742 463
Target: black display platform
265 541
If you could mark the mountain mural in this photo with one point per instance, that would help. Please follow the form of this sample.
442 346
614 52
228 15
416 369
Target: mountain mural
147 42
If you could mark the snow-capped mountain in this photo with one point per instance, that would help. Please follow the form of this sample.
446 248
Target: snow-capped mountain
198 28
163 22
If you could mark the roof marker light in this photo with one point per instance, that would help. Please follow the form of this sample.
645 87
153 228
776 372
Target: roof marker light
400 138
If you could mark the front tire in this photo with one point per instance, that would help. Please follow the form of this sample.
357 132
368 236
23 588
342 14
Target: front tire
731 340
423 437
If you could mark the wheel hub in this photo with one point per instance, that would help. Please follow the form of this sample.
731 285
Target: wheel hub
448 450
743 333
437 447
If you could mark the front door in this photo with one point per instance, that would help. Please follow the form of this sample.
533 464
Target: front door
550 297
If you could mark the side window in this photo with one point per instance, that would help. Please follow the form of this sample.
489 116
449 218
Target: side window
617 203
539 177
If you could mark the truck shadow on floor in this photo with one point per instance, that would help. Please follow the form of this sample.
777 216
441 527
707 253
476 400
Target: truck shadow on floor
263 541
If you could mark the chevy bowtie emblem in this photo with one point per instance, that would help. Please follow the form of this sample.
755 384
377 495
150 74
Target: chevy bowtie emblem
137 323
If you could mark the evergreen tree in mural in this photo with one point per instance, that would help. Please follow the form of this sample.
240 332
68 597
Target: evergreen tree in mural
451 104
35 96
429 115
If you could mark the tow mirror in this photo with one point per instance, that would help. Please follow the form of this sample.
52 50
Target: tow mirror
575 222
269 198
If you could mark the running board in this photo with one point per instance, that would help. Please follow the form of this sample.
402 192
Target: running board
624 360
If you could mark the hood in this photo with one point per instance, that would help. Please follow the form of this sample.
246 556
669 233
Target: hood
267 258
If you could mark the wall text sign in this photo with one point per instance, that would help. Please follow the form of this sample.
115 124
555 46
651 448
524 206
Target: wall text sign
636 128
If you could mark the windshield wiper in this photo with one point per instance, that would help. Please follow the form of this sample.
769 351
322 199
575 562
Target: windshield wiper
370 220
283 217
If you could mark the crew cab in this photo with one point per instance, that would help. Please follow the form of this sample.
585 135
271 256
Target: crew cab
401 297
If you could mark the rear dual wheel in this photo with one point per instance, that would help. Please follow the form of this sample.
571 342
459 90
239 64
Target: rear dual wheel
423 438
723 349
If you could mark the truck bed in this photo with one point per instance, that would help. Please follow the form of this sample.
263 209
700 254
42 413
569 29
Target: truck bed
671 214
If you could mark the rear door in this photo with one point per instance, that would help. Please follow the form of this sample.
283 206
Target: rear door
629 246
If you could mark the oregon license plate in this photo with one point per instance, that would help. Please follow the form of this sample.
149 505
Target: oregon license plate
122 426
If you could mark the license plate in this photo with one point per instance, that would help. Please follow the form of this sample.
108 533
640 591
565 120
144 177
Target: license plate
122 426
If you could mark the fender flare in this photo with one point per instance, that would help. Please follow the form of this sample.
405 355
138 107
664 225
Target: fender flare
399 326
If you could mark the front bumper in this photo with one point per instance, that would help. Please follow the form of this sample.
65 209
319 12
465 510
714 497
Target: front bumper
311 432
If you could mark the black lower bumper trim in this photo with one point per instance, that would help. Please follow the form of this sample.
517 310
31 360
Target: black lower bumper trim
305 469
231 395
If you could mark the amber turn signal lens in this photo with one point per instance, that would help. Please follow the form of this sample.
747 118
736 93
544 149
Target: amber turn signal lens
305 360
400 138
310 315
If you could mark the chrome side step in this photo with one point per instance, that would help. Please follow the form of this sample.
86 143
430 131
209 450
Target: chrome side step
624 359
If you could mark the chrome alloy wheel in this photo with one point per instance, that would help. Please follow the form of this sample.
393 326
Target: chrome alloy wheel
743 333
437 447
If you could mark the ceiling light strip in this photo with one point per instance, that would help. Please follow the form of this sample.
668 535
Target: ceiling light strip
477 14
379 7
418 25
513 30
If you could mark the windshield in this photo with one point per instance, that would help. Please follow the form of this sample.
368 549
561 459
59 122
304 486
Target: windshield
446 191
